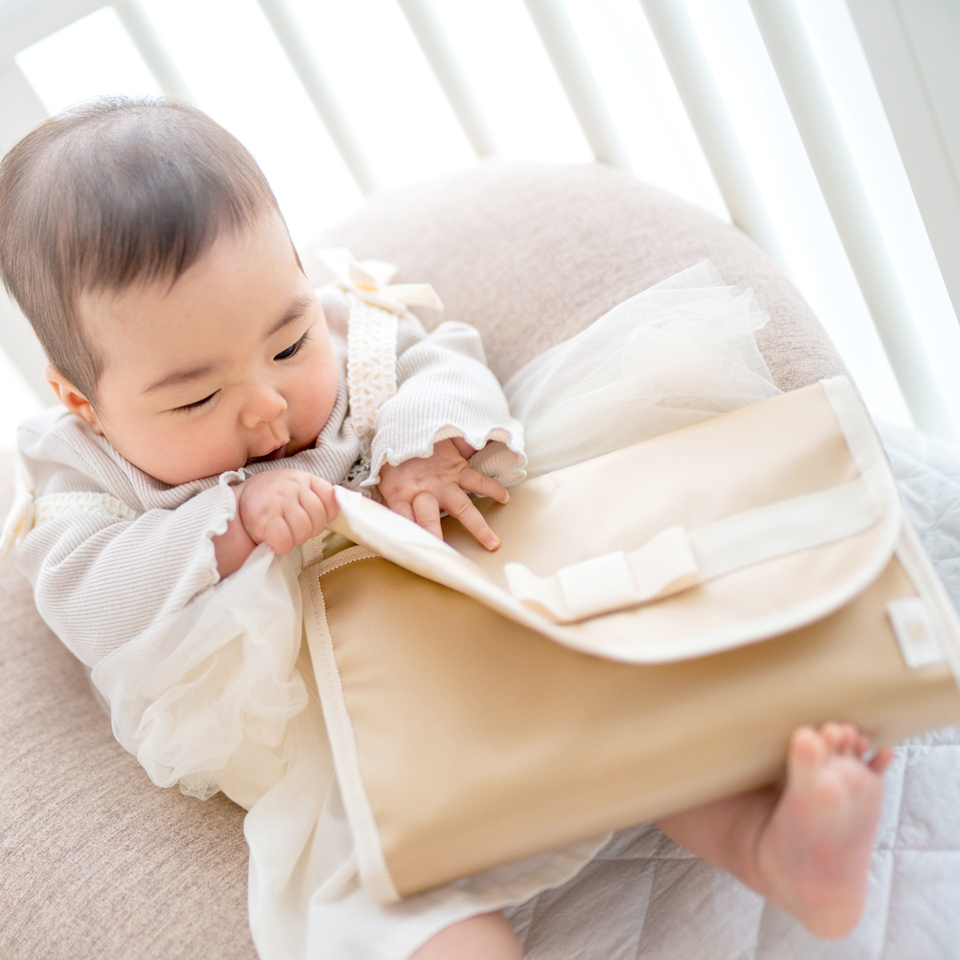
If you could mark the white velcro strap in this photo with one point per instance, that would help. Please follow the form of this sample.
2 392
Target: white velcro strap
596 585
662 566
785 527
673 560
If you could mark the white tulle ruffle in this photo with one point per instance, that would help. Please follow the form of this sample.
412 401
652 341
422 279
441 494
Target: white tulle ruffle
678 353
204 698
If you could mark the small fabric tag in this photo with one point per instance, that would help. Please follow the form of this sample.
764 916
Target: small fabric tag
915 633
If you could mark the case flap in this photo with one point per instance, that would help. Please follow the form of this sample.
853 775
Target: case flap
743 527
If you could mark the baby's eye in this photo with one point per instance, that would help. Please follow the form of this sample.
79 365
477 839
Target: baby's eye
187 407
293 350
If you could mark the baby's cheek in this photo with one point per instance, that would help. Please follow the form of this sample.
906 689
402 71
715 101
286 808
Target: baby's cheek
318 402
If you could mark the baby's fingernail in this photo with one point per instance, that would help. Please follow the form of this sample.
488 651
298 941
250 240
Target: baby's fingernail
506 497
492 543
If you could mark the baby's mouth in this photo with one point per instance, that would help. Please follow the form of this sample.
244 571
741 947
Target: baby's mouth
272 455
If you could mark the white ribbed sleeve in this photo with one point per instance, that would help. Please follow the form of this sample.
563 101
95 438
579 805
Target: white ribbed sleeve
99 582
446 390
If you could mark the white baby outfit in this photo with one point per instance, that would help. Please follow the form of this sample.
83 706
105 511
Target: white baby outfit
106 524
209 684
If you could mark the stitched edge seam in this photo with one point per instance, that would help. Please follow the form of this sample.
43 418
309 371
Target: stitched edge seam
371 862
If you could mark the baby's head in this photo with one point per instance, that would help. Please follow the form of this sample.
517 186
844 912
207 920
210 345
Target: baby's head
146 248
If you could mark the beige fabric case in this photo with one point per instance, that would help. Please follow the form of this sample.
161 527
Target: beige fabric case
473 725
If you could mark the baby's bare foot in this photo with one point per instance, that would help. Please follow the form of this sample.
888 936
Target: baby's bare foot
814 852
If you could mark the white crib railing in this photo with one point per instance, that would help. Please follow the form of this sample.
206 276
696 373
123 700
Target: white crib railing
823 137
428 30
684 56
297 49
560 41
781 25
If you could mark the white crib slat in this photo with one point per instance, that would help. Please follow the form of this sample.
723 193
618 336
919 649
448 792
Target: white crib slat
152 49
290 34
913 49
436 47
25 22
21 107
785 36
683 54
560 41
21 111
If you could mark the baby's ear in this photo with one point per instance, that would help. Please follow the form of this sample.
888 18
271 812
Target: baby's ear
72 398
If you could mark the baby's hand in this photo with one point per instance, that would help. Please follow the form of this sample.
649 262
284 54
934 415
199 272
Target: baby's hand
286 508
418 489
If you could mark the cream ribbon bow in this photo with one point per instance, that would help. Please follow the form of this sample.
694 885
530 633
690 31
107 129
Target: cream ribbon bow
22 514
369 280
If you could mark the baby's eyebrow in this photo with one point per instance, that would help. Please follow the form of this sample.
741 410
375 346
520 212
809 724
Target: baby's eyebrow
296 310
181 376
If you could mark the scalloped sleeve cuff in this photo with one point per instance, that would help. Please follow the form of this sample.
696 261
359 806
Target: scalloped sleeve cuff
446 390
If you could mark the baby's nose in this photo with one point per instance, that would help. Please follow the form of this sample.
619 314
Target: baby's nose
263 405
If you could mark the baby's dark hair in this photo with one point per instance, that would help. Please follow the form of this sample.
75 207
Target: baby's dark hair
113 192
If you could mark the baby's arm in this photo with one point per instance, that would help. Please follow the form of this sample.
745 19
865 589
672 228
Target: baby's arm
282 508
100 580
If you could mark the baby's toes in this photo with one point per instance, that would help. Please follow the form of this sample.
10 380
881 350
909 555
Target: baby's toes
844 739
881 760
808 752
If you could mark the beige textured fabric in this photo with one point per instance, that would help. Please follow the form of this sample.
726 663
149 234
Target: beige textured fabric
530 254
98 863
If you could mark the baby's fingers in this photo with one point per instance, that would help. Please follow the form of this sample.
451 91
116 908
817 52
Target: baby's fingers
306 517
460 506
475 482
295 524
426 511
278 536
327 498
403 508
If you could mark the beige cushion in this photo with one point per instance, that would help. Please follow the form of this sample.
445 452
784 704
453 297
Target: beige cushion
99 863
532 253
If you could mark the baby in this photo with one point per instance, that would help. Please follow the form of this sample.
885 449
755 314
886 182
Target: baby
211 410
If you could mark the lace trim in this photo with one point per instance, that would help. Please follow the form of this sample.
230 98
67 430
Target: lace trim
26 512
375 308
21 517
55 505
371 365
